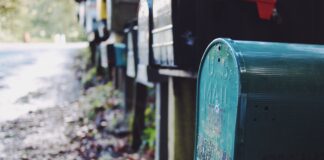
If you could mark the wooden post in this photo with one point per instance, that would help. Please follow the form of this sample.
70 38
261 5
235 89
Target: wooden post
161 120
129 93
139 109
182 107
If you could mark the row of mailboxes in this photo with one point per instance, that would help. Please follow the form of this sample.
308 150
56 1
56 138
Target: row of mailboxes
181 30
138 40
178 31
260 101
101 17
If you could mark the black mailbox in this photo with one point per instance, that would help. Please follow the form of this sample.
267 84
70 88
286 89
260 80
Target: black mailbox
120 12
293 21
173 33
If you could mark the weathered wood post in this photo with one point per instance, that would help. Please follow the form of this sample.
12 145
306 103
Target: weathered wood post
182 93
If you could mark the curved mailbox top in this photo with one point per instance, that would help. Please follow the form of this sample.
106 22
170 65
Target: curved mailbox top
131 42
144 41
260 100
144 31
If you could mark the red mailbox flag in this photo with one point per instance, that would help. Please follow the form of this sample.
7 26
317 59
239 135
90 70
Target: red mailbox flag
265 8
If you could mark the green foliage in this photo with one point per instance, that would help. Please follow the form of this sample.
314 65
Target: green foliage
42 19
89 75
149 131
149 137
99 96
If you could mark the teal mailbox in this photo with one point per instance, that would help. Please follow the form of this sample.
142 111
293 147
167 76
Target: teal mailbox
120 54
260 101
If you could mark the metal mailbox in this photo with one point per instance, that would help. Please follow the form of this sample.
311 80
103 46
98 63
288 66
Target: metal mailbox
120 12
260 101
174 27
131 45
144 40
120 54
293 21
113 55
103 54
91 16
107 55
102 20
81 13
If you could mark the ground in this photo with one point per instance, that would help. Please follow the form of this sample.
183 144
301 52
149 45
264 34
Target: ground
53 106
39 90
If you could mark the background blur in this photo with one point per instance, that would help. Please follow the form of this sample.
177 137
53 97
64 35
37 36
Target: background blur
38 20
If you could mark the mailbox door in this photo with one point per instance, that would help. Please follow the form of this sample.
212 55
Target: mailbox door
217 105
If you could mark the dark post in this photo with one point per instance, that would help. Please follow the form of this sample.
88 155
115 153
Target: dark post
139 109
161 148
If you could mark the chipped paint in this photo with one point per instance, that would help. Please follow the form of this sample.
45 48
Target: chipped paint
218 100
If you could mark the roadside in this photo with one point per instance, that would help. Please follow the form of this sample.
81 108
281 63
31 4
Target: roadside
39 100
87 122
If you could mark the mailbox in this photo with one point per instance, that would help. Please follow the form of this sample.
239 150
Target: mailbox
102 20
173 33
260 101
293 21
120 54
131 45
103 53
81 13
120 12
101 10
91 16
144 41
113 55
107 55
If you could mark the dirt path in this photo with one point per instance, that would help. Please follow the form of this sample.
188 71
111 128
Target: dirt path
40 135
42 95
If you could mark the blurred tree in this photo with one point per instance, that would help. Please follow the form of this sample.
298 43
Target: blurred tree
41 19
